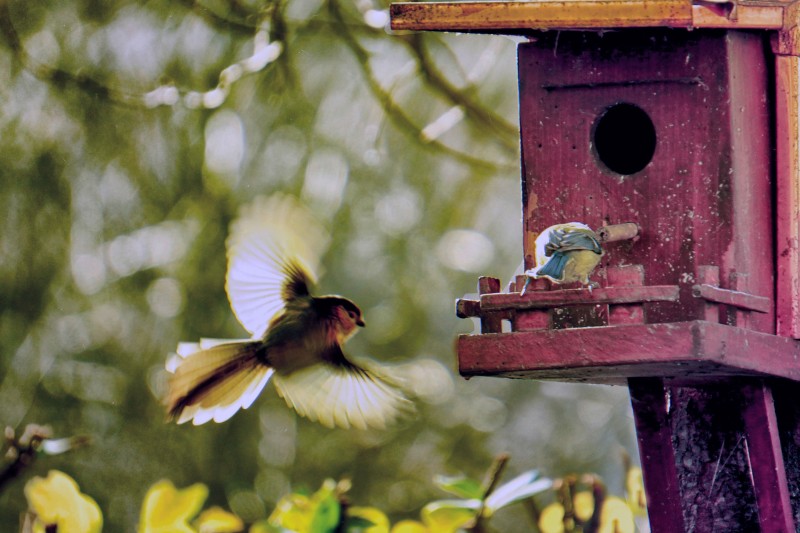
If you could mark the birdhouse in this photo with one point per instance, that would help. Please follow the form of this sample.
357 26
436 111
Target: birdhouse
671 129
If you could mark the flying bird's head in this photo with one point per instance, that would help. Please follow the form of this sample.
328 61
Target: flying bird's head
345 317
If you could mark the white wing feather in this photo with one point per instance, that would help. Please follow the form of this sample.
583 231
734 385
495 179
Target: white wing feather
342 396
269 233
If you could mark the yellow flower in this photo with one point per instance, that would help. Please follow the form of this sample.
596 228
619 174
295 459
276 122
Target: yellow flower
58 501
293 512
305 514
616 517
409 526
218 520
634 485
583 503
376 516
552 519
168 510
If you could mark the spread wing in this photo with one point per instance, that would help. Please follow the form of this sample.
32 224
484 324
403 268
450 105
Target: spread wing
274 252
339 392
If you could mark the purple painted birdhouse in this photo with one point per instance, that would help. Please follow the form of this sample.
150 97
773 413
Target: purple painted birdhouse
680 150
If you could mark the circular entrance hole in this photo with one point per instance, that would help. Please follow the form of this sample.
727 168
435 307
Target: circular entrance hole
624 139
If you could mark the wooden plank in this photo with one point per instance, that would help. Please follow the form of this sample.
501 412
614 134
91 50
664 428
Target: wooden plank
616 353
733 298
532 320
748 265
766 465
756 17
787 95
466 308
542 14
566 297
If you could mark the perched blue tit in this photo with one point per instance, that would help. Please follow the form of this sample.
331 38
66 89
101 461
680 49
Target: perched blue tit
274 249
566 253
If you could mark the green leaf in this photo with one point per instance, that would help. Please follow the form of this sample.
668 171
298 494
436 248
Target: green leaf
366 520
521 487
446 516
460 486
326 515
356 524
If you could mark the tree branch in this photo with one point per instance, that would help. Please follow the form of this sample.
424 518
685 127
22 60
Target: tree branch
393 110
489 484
461 97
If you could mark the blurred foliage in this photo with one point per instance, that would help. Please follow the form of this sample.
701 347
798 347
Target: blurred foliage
582 505
131 133
56 503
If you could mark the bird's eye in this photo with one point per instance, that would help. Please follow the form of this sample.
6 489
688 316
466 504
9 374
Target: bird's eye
352 315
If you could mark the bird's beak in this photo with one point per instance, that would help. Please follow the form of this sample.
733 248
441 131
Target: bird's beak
360 322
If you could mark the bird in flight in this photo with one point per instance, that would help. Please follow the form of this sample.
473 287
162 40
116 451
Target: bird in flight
274 251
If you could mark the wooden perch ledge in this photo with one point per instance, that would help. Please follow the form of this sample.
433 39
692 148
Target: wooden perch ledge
557 298
738 299
614 354
622 345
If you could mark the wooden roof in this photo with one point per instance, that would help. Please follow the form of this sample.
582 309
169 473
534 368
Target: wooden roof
511 17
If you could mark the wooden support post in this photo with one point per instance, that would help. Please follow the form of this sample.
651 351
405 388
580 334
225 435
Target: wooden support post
490 322
651 408
711 455
767 465
740 283
787 412
708 275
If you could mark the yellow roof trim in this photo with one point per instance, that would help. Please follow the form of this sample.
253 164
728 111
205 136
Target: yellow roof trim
584 14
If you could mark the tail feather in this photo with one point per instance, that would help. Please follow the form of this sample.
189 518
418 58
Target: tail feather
256 386
554 268
214 383
226 390
224 402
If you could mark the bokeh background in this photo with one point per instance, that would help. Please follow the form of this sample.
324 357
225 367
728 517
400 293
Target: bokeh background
131 133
